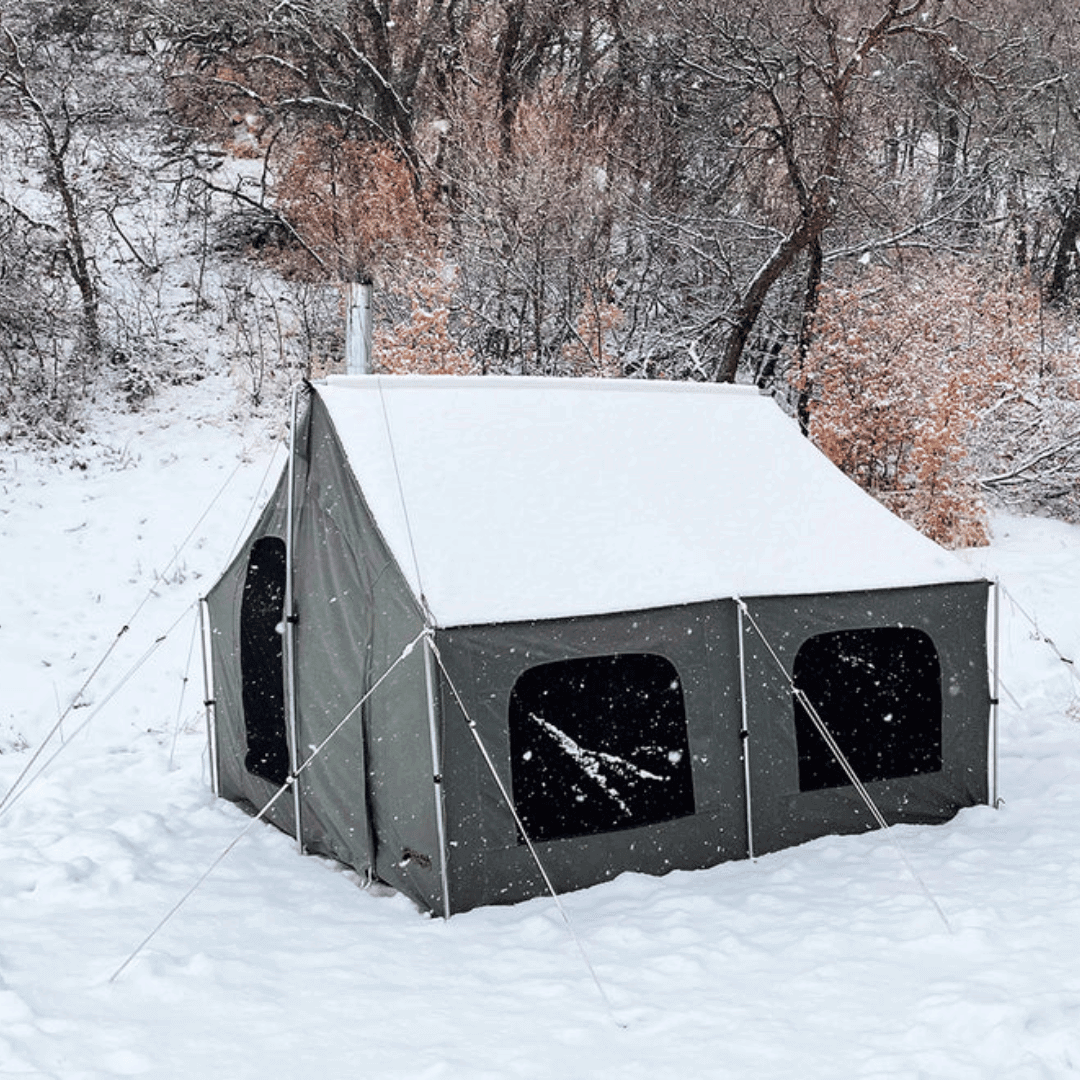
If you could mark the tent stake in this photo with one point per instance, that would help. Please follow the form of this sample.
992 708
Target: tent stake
436 772
208 695
290 623
745 735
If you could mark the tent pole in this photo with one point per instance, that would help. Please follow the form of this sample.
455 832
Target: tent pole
208 696
436 771
995 695
290 624
744 735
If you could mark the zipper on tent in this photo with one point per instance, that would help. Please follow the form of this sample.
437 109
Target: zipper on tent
744 736
436 772
290 626
208 695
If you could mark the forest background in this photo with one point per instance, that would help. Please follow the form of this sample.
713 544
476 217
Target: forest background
869 209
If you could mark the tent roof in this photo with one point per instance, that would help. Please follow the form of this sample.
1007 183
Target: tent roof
541 498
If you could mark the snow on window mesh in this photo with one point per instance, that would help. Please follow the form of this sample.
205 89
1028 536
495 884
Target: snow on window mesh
599 744
262 609
878 691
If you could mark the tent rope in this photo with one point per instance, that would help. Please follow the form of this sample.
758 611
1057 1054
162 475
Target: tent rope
1040 636
243 531
73 703
489 762
401 498
286 786
183 686
14 795
842 760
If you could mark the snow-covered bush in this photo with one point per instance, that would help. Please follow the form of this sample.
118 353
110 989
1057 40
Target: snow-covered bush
423 343
911 367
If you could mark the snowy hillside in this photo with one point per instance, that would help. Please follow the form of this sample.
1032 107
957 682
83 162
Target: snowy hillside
823 961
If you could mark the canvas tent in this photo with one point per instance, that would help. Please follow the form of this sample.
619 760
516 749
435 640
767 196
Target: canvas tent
572 612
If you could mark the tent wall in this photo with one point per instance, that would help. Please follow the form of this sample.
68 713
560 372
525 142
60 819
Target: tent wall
954 618
224 603
488 861
368 799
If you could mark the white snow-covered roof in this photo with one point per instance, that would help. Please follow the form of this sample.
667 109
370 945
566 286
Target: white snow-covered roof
520 498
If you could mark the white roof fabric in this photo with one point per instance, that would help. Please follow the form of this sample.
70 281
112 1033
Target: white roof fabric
507 499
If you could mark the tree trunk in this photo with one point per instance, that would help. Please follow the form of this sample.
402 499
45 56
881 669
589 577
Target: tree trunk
806 232
13 73
75 249
815 199
1066 248
806 328
509 90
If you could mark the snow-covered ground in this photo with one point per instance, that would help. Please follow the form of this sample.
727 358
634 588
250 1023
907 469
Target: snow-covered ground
828 960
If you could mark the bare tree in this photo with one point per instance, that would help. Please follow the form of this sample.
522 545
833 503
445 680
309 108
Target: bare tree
364 66
55 111
704 166
793 80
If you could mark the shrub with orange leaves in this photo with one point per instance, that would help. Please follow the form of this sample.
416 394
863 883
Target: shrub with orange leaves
901 370
355 205
424 344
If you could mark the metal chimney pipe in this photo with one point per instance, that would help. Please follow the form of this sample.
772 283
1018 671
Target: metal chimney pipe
358 329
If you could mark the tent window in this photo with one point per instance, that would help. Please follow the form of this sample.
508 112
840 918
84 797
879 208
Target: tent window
261 668
878 691
599 744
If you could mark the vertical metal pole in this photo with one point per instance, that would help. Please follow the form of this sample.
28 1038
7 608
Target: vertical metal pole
358 330
208 695
436 767
290 625
995 695
744 735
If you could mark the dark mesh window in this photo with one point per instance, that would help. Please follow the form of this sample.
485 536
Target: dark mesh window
878 691
261 611
599 744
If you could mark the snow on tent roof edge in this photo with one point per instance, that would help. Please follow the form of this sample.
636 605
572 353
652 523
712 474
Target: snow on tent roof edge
537 382
537 498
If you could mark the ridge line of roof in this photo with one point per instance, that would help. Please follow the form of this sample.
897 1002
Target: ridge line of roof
535 382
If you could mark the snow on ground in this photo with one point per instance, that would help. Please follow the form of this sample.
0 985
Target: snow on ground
823 961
